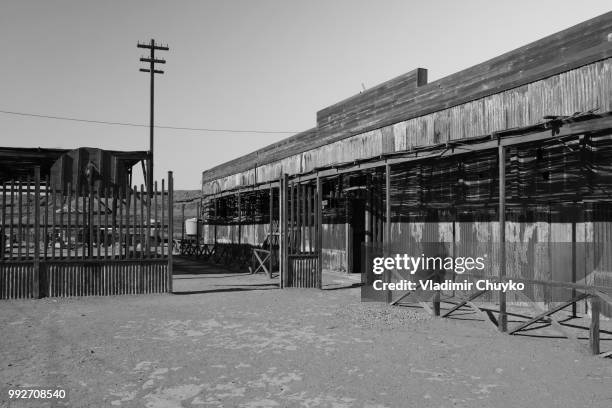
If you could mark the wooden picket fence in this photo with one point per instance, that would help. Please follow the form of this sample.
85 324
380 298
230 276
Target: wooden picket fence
99 241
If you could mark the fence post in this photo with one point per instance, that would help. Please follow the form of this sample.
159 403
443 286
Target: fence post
319 233
503 317
283 231
387 235
271 211
36 277
170 227
594 326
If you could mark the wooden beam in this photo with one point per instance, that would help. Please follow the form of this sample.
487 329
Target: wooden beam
36 277
594 326
464 302
284 232
319 237
387 235
546 313
170 227
503 318
271 211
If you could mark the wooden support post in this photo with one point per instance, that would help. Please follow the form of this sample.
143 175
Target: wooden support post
574 264
300 217
368 228
387 234
239 220
594 326
309 219
271 241
291 216
90 217
319 232
216 201
170 227
503 318
182 224
283 230
36 278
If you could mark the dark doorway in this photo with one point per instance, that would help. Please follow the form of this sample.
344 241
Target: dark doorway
357 221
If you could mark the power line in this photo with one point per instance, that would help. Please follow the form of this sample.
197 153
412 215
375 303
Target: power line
103 122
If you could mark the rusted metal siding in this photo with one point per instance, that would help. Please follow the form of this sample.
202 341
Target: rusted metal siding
16 280
84 278
334 247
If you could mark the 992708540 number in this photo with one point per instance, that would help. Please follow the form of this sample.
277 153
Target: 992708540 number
36 393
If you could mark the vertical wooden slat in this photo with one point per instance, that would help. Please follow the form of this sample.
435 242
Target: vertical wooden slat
118 195
149 197
83 225
36 269
301 215
56 230
106 228
594 326
271 211
298 231
283 233
53 221
128 206
28 222
156 218
291 218
11 229
69 221
141 229
319 237
20 221
387 234
90 219
170 226
239 219
162 225
309 219
98 229
134 221
3 228
45 233
503 317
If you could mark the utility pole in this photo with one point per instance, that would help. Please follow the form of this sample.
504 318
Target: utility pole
151 46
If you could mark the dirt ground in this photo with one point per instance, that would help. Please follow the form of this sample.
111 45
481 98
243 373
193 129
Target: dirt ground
235 340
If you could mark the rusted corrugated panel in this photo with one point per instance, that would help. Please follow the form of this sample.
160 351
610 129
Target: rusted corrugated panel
334 247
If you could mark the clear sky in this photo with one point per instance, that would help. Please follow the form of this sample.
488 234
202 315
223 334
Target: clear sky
249 64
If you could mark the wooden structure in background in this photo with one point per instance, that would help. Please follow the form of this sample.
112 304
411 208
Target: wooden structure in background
508 158
98 236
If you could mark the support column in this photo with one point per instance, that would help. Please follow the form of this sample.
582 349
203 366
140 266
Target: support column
36 277
239 220
594 326
271 241
170 227
387 232
319 229
503 317
283 231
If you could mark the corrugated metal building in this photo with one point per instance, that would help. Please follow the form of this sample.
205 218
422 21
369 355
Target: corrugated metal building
409 162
